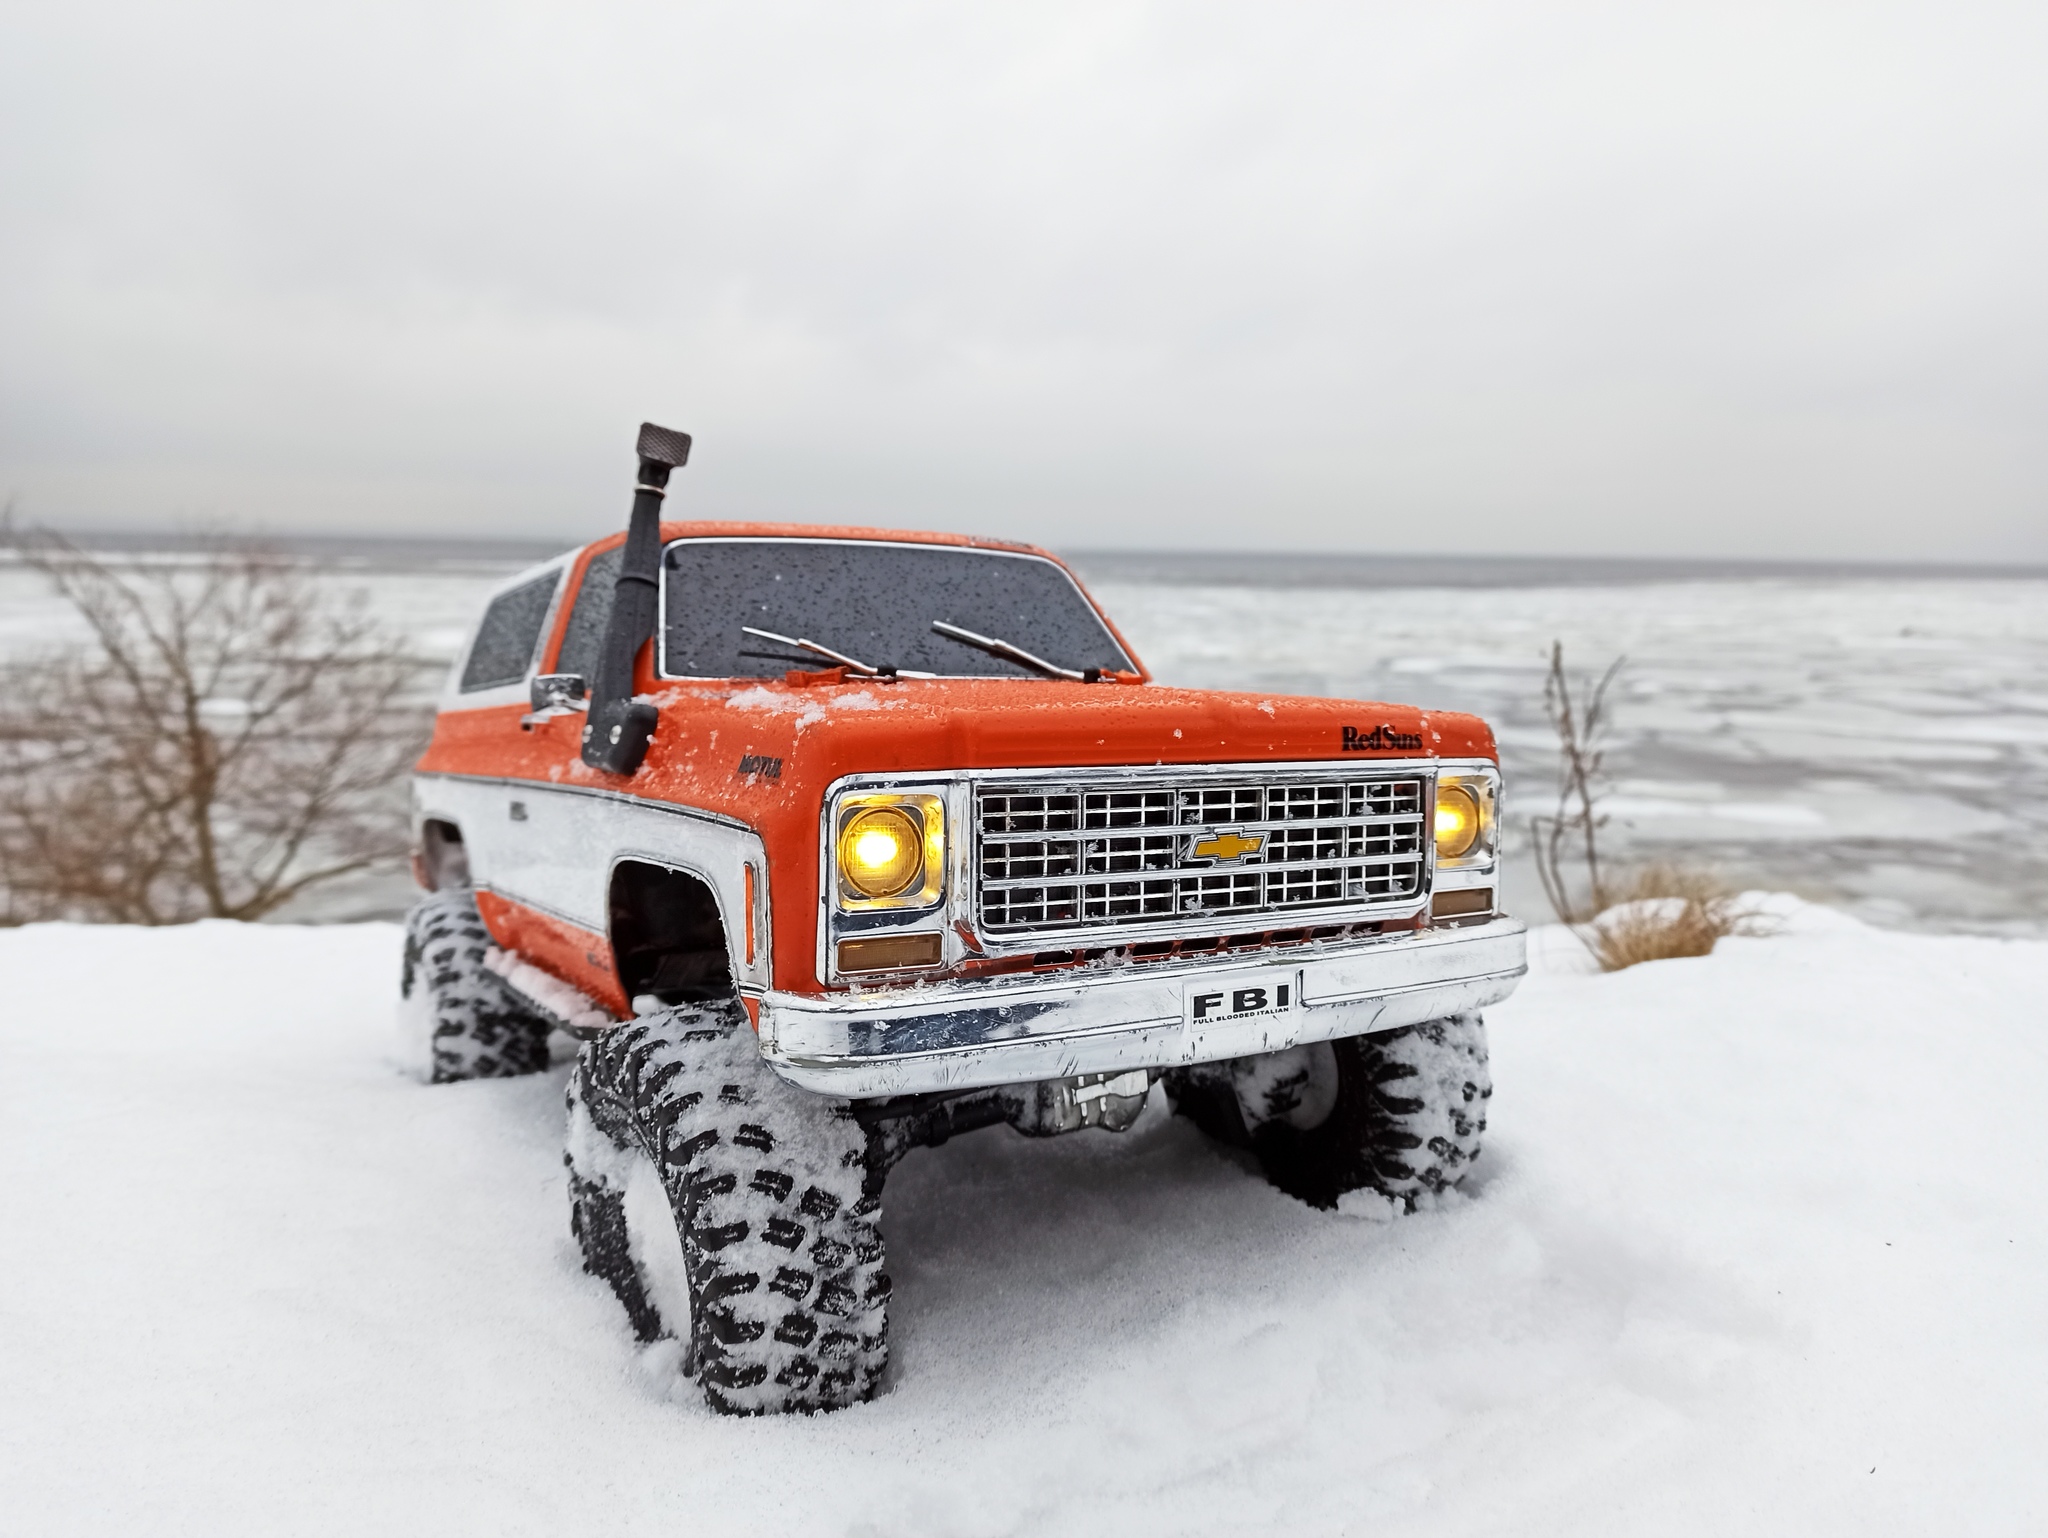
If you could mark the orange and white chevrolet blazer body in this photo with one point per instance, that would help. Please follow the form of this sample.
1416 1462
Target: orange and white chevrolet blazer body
950 870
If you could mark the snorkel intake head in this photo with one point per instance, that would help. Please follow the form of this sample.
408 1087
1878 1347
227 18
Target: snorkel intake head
616 735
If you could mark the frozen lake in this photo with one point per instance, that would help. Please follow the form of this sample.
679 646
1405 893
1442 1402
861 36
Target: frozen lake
1877 741
1881 744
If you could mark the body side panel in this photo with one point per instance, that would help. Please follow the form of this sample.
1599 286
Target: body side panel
541 857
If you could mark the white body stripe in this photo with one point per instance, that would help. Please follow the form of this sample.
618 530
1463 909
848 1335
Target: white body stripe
552 848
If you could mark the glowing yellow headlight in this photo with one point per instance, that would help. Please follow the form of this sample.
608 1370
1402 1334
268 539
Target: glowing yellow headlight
881 851
891 850
1458 821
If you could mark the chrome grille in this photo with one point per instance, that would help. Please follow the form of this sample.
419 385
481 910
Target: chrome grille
1076 855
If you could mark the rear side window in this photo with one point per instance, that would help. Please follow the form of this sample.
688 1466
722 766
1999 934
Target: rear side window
510 631
583 641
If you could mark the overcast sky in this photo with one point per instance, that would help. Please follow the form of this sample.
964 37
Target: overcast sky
1631 279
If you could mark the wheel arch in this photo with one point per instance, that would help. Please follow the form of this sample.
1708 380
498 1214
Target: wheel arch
440 859
670 935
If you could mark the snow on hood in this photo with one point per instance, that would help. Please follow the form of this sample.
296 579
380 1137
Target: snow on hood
809 706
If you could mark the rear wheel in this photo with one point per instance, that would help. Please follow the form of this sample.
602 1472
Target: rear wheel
782 1301
477 1027
1400 1113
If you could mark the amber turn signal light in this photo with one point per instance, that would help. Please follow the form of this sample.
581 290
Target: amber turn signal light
1461 904
889 953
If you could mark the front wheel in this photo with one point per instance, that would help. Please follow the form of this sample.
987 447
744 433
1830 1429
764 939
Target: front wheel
1400 1113
781 1296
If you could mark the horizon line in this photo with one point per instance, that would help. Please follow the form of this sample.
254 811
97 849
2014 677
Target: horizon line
1207 566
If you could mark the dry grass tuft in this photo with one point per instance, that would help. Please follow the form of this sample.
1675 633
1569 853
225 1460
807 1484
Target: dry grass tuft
1667 911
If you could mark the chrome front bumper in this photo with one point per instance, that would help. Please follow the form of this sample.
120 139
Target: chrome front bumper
1109 1018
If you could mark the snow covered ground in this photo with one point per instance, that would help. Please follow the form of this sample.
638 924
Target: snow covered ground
1756 1246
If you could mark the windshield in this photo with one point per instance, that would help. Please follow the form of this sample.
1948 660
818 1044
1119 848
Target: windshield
873 601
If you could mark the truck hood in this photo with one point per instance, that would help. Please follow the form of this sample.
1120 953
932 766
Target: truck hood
863 725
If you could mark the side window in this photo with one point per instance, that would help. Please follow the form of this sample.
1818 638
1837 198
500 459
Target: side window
508 635
583 641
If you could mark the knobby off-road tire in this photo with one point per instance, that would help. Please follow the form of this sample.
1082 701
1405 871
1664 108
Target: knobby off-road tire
772 1192
1400 1113
479 1028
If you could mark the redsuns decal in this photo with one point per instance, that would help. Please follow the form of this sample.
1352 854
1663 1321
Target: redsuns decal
1381 737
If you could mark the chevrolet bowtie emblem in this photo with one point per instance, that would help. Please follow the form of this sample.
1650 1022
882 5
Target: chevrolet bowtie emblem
1227 846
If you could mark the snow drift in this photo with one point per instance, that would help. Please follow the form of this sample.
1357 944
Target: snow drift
1755 1245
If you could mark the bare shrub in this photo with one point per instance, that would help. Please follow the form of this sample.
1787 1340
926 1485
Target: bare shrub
1570 836
232 735
1650 914
1663 911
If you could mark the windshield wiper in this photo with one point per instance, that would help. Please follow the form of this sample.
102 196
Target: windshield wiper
867 669
1012 653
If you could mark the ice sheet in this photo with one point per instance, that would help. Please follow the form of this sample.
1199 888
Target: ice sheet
1878 742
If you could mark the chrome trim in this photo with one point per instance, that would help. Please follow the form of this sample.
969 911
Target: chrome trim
957 906
1108 1018
1489 777
1085 864
1473 870
835 924
1202 926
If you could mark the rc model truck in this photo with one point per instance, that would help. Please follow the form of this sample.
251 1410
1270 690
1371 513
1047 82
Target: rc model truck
827 844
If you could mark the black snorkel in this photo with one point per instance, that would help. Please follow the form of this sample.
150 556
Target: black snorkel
616 735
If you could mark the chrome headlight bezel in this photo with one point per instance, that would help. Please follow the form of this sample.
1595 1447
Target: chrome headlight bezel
927 811
844 914
1482 782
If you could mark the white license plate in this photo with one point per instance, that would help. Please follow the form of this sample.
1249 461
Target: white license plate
1240 996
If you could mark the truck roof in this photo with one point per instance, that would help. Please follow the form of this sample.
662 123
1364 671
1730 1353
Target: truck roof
707 528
